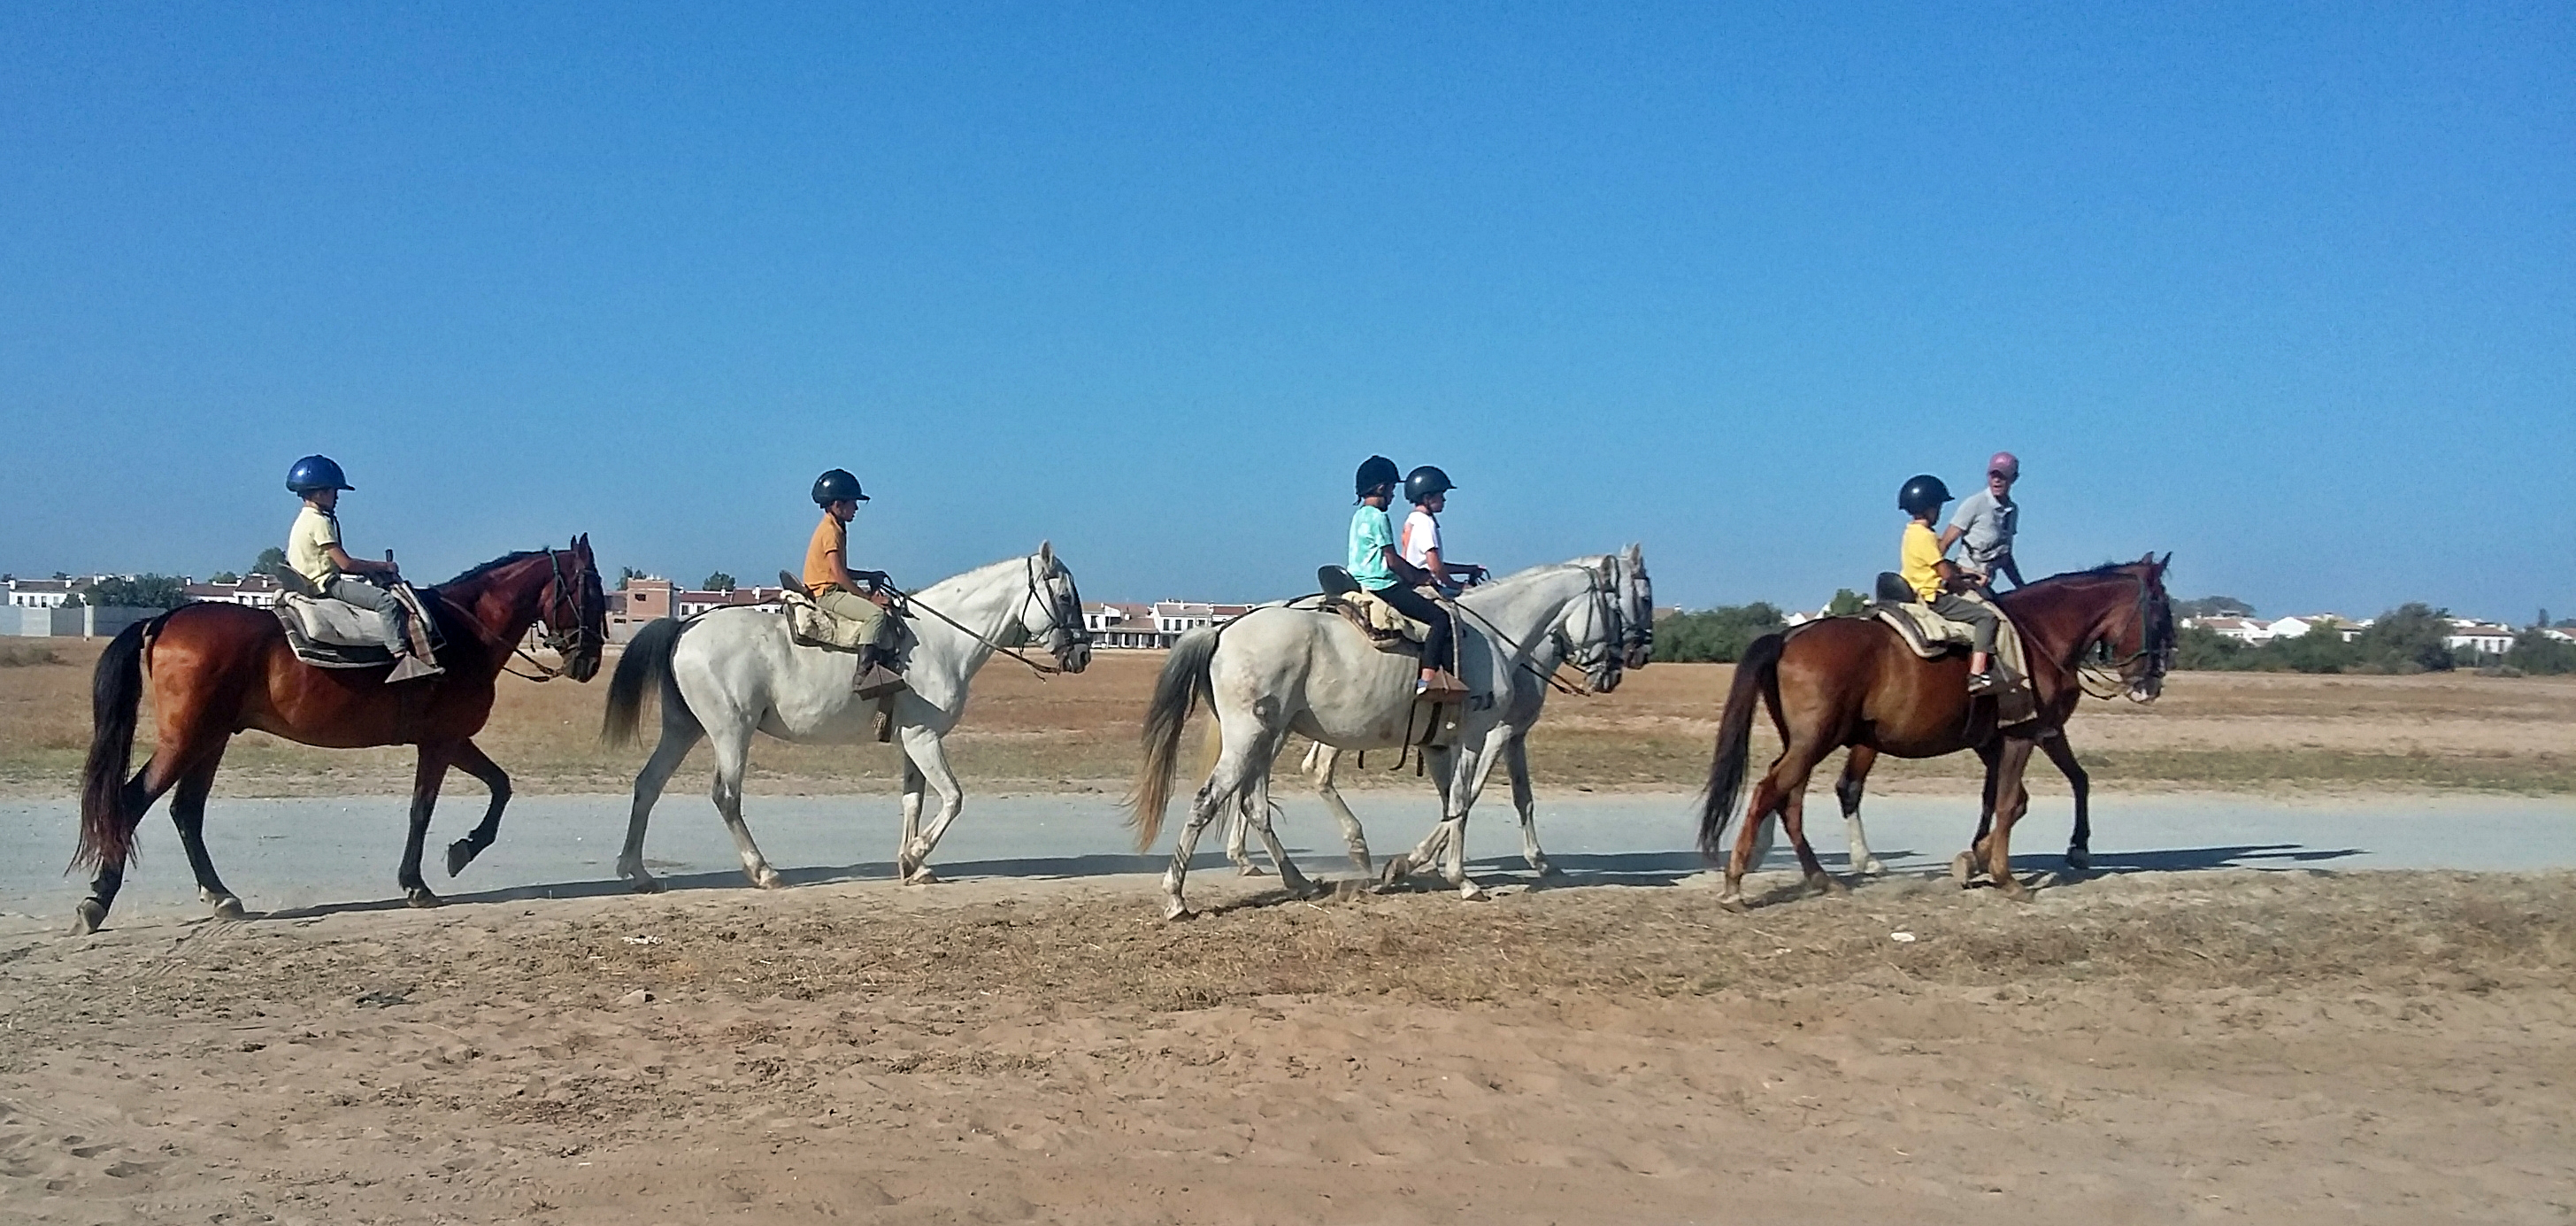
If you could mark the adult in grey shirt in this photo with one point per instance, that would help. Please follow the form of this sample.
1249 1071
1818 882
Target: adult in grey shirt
1987 520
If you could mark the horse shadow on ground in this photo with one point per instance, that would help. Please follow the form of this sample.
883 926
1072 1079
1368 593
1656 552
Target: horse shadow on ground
1643 869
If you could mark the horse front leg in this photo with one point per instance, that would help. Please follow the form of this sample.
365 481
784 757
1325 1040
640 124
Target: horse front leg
923 747
471 759
1847 790
1437 762
1516 767
2079 849
435 757
1473 768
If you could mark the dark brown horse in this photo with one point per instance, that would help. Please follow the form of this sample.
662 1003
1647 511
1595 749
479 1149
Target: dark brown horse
1851 681
218 669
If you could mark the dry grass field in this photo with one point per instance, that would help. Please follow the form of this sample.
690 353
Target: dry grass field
2233 731
2149 1047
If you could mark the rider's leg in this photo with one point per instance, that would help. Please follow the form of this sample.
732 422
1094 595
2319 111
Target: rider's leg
1980 619
389 612
1436 644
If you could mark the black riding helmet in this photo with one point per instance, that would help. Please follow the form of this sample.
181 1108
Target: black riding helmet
1923 492
837 486
1376 471
1424 482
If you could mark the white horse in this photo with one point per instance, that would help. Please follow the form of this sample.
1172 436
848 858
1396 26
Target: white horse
1280 669
733 671
1637 643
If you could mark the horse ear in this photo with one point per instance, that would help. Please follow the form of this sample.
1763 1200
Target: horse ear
1046 551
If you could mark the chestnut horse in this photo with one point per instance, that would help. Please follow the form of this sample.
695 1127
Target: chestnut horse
218 669
1851 681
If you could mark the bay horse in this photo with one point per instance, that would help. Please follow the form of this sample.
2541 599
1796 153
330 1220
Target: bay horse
1850 681
218 669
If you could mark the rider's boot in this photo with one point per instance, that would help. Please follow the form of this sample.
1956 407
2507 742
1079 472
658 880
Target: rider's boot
875 677
1983 683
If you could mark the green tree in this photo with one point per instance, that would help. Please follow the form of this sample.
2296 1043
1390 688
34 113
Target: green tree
140 592
1720 634
271 560
225 576
627 574
2200 649
2537 653
1846 602
2213 606
717 582
2407 639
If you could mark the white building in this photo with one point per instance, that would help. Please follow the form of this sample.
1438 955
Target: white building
2293 627
40 593
2241 629
1124 625
2485 638
257 591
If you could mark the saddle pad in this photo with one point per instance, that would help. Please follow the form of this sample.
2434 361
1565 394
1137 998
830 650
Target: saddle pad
329 633
813 626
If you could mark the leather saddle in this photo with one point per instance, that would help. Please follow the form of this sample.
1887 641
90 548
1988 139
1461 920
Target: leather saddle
812 625
1387 628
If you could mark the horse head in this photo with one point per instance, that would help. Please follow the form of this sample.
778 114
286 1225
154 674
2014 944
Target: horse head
1636 593
575 609
1053 612
1593 630
2146 645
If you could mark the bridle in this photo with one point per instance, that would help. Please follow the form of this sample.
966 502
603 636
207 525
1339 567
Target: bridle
1603 657
1063 633
2108 678
564 643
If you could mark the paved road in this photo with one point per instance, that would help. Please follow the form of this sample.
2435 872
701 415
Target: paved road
302 853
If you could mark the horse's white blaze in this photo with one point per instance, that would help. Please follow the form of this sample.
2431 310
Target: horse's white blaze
738 671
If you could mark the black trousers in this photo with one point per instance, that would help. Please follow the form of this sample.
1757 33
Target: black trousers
1435 646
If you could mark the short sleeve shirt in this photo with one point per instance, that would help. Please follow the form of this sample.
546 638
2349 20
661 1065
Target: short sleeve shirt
1919 561
1986 527
308 546
830 537
1421 536
1371 533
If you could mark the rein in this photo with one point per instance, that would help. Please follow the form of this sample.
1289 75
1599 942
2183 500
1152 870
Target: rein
1582 689
1055 622
561 643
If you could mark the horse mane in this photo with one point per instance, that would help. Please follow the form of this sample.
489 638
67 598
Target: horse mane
477 572
2103 571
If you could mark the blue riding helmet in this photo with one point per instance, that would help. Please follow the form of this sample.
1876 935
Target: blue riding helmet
316 472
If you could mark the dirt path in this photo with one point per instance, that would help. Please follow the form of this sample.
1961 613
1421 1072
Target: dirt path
2375 1047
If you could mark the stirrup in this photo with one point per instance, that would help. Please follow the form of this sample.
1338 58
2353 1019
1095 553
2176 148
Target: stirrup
1983 683
877 682
408 666
1441 687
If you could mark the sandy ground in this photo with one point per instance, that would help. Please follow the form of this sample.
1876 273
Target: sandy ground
2148 1047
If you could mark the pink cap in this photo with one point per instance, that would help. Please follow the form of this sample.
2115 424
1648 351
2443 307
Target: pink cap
2006 463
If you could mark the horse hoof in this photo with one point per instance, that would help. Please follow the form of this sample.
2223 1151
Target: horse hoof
229 908
768 879
1545 869
1962 870
419 896
922 876
1396 870
1469 891
1873 868
646 884
1174 911
88 917
2079 860
1249 870
459 854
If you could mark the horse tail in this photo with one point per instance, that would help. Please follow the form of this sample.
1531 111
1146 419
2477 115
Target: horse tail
645 664
1756 678
115 698
1176 693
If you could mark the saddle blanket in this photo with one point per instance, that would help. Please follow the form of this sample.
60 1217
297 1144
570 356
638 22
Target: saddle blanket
813 626
1931 636
1387 628
329 633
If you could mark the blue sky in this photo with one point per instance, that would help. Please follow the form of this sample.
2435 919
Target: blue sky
2287 290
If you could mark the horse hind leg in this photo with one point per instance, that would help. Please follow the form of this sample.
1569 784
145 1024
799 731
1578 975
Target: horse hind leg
680 734
1236 765
1847 790
733 761
133 801
1256 812
188 813
1321 762
1793 821
1238 825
